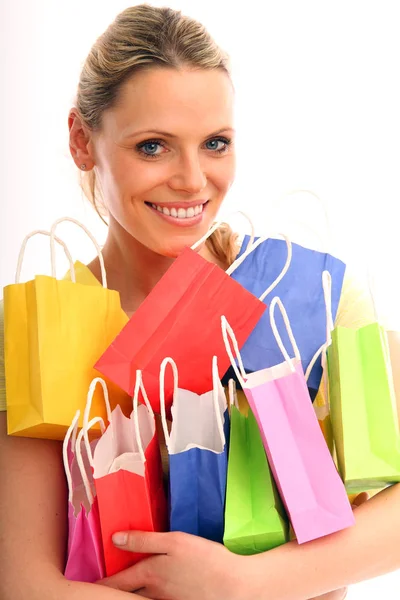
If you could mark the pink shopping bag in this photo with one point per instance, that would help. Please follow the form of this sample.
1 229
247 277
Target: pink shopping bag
85 560
306 476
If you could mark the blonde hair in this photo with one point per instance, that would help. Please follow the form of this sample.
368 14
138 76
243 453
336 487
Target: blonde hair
140 38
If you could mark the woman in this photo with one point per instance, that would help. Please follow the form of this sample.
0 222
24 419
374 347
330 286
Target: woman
152 131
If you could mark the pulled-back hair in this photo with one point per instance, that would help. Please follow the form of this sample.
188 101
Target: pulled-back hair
140 38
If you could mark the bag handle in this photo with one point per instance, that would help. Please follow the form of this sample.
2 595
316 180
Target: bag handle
139 386
22 255
89 398
219 223
217 384
372 292
71 431
325 210
327 287
248 251
228 331
277 302
88 407
86 230
79 459
233 401
165 362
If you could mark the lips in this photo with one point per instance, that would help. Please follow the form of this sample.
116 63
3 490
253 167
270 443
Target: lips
178 212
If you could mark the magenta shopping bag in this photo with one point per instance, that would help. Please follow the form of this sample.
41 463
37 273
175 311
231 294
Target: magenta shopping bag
85 560
306 476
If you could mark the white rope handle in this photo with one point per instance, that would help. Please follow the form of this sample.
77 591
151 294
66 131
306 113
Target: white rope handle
165 362
219 223
89 398
277 302
327 287
285 269
140 387
228 331
71 430
233 401
78 454
88 407
216 386
22 254
98 249
372 292
325 210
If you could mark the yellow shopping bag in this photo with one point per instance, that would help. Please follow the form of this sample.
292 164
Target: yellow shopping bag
54 332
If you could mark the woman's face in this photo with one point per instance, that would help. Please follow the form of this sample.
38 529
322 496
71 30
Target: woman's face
165 156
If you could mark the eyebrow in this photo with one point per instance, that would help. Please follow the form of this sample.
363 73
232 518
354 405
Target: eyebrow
171 135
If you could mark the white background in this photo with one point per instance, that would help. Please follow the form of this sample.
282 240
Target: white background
318 107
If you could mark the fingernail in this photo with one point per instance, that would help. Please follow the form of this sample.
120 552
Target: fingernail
120 539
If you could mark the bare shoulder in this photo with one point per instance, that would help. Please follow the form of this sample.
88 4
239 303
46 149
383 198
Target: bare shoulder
33 504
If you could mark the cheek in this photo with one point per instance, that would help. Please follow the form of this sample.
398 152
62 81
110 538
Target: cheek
138 178
223 176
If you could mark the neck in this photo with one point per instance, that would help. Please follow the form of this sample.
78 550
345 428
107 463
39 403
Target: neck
133 269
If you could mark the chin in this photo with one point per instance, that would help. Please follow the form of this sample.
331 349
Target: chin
173 250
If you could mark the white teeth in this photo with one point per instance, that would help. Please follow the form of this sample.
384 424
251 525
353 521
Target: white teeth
180 213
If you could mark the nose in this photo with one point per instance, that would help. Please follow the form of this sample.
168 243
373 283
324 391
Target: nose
189 175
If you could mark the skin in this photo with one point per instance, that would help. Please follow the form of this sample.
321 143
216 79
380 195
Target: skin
192 105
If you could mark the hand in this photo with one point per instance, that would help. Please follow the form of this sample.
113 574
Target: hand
185 567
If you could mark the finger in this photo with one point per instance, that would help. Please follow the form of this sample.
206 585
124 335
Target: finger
135 578
360 499
144 593
144 541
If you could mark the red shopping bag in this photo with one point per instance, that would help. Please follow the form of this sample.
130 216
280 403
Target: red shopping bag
128 478
181 318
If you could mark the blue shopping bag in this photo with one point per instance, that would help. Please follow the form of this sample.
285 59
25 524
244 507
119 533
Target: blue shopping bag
198 458
300 291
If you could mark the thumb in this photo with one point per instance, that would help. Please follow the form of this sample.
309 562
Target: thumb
143 541
360 499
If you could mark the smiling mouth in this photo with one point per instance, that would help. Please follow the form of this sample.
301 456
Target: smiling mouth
178 212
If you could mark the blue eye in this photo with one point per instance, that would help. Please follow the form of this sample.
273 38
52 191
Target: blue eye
149 148
213 142
225 145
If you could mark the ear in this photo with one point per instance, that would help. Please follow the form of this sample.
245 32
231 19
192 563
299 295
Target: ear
80 142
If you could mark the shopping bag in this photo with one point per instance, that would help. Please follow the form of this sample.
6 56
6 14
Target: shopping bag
364 412
321 402
303 469
197 456
85 561
300 291
393 338
181 318
255 519
128 478
53 332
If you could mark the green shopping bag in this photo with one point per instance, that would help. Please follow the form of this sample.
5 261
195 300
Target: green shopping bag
363 408
255 520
